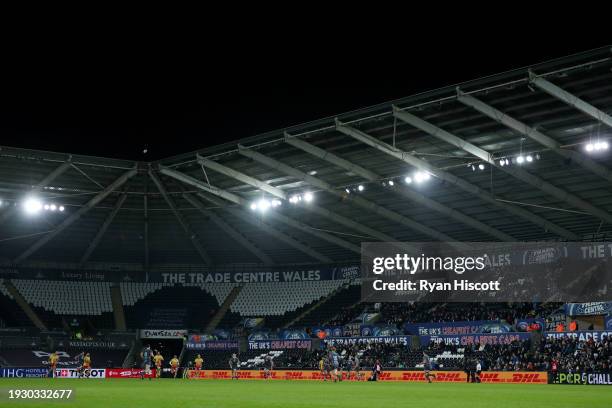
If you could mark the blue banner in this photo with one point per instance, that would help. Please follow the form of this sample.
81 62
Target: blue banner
608 323
380 330
472 339
197 342
280 345
596 335
591 308
530 324
293 334
455 328
21 372
348 341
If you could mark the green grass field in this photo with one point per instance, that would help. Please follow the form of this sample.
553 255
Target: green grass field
133 393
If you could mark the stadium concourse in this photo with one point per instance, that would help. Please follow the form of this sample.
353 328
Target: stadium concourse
253 248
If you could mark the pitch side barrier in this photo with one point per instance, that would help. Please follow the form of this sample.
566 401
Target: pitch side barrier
395 375
497 377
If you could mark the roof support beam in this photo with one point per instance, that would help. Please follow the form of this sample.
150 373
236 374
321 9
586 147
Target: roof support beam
43 183
181 220
277 192
515 172
400 189
570 99
107 222
76 215
360 201
229 230
312 207
236 199
454 180
536 135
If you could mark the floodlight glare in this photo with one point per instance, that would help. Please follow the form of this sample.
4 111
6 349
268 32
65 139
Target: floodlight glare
419 177
263 205
308 197
520 159
61 208
391 183
407 180
481 166
254 206
360 187
53 207
32 206
529 159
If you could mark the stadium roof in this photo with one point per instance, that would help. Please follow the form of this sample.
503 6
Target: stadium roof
195 208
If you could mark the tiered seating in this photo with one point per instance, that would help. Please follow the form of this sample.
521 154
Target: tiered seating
264 299
199 306
219 290
67 297
4 291
340 301
132 292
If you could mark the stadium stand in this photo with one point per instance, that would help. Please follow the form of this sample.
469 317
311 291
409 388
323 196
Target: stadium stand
254 299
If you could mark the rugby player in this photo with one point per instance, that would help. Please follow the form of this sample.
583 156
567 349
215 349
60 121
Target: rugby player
146 356
85 369
268 367
174 365
158 359
357 367
53 359
322 368
427 368
198 362
234 363
335 362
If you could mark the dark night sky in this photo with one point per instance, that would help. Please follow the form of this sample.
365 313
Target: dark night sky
114 107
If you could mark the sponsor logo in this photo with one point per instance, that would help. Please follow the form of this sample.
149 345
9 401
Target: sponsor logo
409 376
583 378
162 334
74 373
18 372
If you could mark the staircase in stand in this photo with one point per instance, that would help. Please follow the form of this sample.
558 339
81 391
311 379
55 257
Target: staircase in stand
25 306
118 312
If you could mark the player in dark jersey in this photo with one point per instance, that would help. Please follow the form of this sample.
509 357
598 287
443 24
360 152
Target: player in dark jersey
334 359
146 356
427 368
234 363
268 367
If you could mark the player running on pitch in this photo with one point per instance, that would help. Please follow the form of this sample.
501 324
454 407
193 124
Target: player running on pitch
174 365
146 356
197 363
427 368
334 358
158 359
85 369
234 363
53 359
268 367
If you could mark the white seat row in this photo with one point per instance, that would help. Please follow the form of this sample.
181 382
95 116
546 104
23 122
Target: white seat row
67 297
4 290
266 299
